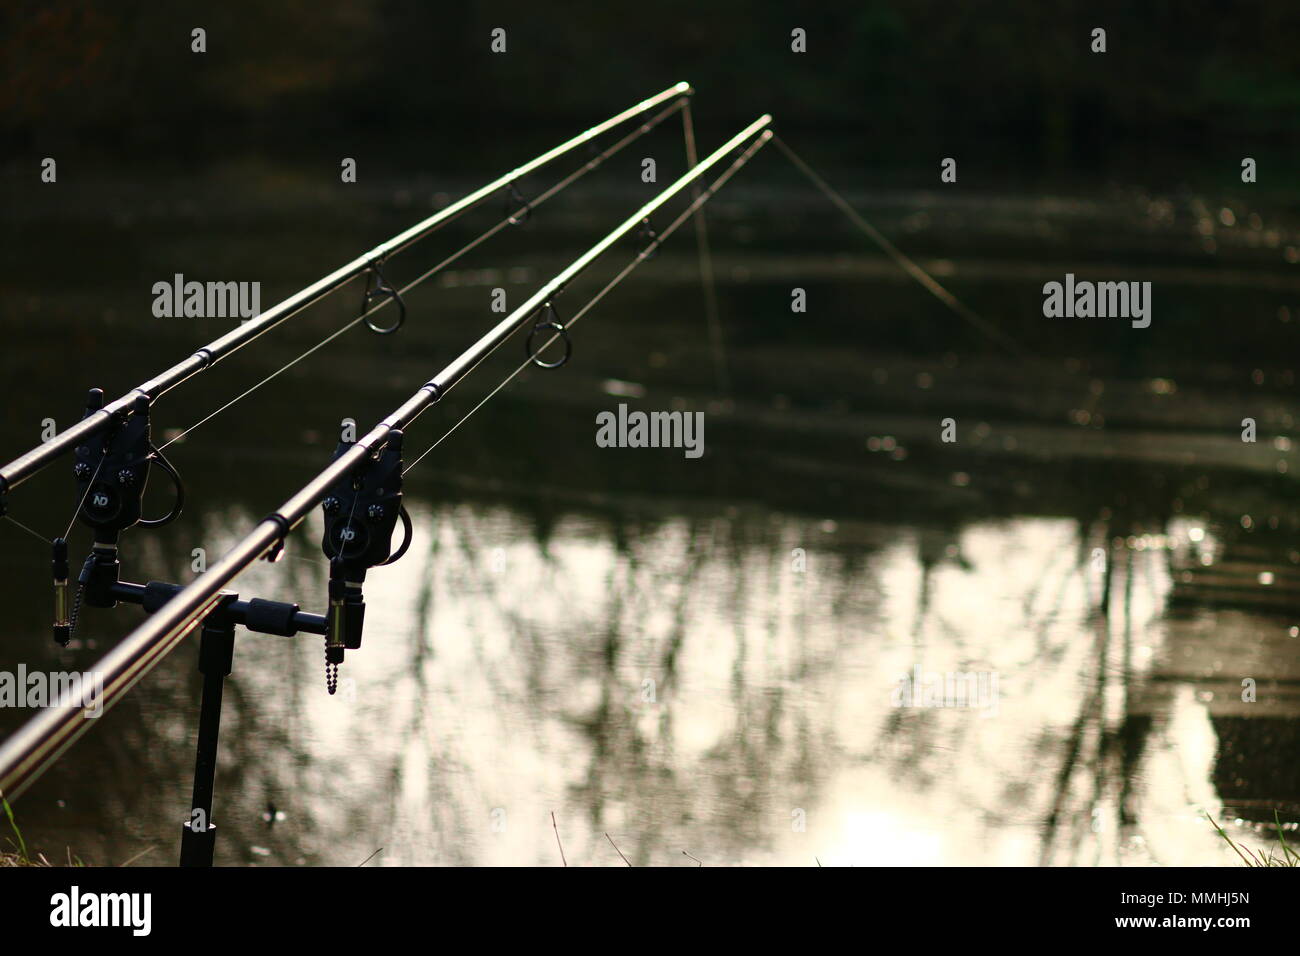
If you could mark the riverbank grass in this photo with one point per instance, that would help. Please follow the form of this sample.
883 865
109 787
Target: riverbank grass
1249 857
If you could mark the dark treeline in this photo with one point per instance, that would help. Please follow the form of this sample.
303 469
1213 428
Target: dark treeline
1176 71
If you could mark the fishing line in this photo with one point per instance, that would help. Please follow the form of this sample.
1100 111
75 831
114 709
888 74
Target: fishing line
323 342
41 538
623 273
90 484
560 186
711 312
905 262
323 296
509 220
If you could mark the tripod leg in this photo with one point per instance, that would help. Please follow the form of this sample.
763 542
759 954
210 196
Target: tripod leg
216 655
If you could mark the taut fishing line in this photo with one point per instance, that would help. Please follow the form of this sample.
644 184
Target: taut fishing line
929 282
42 538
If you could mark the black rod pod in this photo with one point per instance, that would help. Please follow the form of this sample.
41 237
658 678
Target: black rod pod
361 512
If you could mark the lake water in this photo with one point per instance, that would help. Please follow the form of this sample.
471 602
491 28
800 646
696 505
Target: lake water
699 660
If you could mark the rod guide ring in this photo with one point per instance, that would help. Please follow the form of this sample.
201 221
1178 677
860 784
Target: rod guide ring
553 324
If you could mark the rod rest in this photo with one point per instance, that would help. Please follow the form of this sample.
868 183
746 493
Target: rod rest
258 615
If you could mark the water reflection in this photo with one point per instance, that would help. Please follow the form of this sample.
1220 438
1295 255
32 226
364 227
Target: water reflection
702 657
673 681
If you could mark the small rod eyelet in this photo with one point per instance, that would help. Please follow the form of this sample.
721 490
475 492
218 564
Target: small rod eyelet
553 324
378 289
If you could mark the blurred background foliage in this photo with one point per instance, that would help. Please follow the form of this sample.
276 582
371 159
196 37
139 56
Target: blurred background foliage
888 71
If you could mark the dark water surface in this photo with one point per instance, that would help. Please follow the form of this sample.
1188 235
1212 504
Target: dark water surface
621 637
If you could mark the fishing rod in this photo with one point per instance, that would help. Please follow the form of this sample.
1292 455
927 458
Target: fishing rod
21 468
360 493
379 293
113 448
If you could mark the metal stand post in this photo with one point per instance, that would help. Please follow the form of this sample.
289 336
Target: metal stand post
216 656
